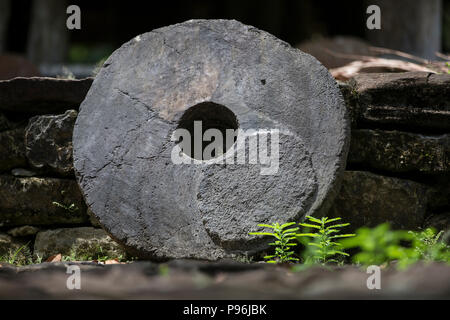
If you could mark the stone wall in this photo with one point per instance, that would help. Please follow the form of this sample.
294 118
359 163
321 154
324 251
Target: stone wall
398 168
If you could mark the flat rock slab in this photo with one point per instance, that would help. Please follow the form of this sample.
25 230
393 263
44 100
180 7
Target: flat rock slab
400 152
221 280
368 199
228 75
31 201
42 95
410 101
82 242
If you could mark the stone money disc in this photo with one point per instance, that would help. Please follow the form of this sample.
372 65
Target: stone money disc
224 75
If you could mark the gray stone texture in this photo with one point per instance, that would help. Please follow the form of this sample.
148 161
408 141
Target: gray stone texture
12 149
122 141
83 241
48 142
367 199
400 152
30 201
411 101
33 96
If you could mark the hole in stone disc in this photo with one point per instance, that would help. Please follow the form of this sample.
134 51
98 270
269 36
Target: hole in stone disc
211 116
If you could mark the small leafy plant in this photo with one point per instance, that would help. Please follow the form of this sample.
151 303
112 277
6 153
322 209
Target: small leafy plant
380 245
321 246
283 242
428 246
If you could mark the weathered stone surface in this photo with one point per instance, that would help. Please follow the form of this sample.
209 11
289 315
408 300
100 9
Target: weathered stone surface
30 201
42 95
141 280
157 82
8 244
20 172
48 142
400 152
84 241
10 247
411 100
24 231
367 199
93 219
12 149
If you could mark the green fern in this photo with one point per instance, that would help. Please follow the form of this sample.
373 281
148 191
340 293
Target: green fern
323 248
283 242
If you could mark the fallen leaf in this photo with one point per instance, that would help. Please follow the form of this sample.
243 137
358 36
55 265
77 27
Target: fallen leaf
112 261
55 258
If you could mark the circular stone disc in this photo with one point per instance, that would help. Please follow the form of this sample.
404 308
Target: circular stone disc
229 76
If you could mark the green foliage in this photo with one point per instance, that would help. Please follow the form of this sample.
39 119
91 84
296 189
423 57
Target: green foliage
19 257
321 246
72 208
78 253
283 242
380 245
448 66
428 246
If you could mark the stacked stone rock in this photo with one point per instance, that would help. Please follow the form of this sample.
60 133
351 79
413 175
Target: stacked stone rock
39 197
398 167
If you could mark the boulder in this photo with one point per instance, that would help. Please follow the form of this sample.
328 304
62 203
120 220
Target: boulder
410 101
31 96
400 152
12 149
229 76
367 199
79 242
40 201
48 142
23 231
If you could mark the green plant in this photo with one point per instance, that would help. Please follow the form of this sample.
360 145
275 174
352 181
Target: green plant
428 246
78 253
72 208
321 246
283 242
17 257
448 66
380 245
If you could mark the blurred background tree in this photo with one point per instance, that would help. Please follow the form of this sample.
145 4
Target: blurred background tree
37 29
